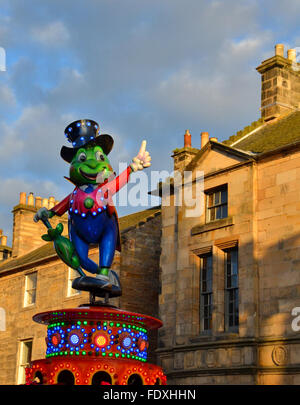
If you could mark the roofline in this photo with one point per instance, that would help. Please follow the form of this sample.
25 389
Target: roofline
218 145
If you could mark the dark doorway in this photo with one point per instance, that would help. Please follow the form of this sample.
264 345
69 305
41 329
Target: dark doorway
101 377
38 375
65 377
135 379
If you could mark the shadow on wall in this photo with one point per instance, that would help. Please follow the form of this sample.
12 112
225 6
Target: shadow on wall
269 290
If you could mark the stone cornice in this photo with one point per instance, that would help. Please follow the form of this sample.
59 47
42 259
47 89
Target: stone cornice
216 343
211 226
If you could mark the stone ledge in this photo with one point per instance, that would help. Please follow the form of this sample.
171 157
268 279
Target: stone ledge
209 344
233 370
211 226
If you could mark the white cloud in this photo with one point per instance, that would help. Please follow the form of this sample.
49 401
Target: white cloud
7 96
52 34
11 144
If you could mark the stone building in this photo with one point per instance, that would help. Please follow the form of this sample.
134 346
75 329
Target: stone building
34 280
231 273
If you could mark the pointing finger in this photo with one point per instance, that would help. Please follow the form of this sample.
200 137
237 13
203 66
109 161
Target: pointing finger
143 148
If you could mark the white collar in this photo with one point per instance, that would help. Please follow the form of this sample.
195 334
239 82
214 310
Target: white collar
85 186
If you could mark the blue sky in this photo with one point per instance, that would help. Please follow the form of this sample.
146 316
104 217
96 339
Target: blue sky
142 69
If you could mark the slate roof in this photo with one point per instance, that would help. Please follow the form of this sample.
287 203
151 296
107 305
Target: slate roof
47 250
268 136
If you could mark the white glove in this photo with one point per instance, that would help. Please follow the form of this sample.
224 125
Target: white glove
142 160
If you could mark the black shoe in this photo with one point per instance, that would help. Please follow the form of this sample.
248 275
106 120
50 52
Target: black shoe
96 286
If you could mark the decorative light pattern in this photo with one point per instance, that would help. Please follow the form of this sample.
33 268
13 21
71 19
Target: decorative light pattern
142 344
97 338
100 340
126 342
74 339
55 339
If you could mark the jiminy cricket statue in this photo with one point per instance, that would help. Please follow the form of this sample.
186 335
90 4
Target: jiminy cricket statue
92 216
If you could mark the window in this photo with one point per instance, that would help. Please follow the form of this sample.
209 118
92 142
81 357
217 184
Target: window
30 289
206 293
24 359
216 204
72 274
231 290
5 254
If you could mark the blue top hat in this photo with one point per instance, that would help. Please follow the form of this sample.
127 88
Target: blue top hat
82 133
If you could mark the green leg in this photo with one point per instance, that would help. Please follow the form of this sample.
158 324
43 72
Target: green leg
104 271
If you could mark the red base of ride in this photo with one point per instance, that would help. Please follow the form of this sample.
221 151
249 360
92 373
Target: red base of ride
98 345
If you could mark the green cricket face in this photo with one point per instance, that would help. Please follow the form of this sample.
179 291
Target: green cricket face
90 165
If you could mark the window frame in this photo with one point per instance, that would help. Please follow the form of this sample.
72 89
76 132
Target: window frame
21 376
210 208
27 291
71 292
206 297
232 289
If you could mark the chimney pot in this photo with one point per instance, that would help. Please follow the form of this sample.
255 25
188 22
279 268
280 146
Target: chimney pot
38 202
31 199
187 139
51 202
3 240
204 138
22 198
213 138
291 54
45 202
279 50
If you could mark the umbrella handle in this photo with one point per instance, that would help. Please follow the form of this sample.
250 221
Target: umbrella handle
46 223
48 226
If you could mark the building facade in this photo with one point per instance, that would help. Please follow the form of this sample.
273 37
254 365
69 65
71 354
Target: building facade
231 273
34 280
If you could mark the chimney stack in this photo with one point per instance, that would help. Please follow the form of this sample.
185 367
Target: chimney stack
187 139
204 138
5 251
280 84
26 232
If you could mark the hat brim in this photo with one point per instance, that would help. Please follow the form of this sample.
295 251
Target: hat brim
105 141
